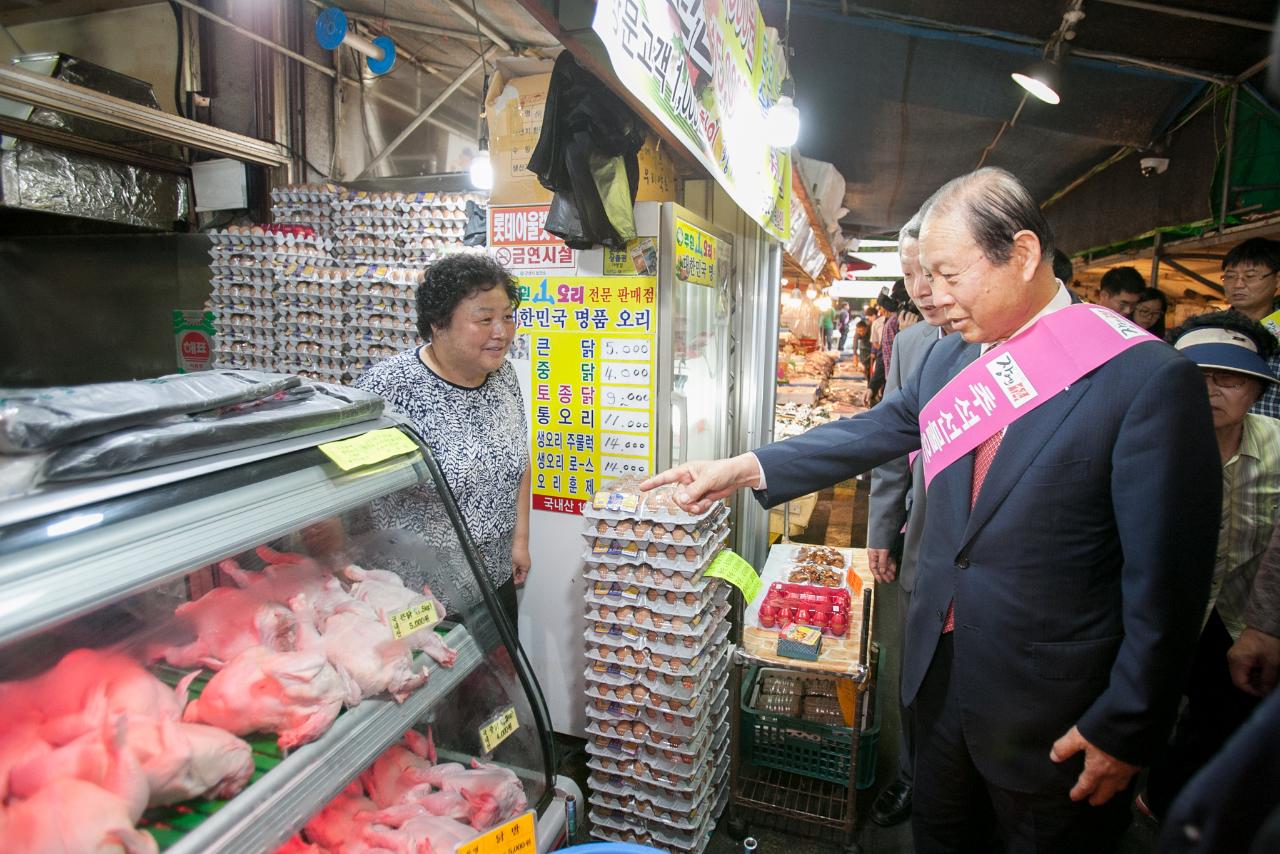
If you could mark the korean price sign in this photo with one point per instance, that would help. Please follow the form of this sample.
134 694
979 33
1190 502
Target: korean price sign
592 351
518 836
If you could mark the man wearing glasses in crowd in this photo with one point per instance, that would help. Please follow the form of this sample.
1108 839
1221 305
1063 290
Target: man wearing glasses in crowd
1249 278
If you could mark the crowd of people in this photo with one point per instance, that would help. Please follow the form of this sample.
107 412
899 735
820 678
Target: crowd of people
1089 577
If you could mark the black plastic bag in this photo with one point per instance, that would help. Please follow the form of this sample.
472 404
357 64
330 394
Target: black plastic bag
586 154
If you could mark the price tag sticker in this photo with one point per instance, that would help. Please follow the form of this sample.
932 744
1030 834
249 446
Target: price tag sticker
413 618
518 836
372 447
730 566
498 728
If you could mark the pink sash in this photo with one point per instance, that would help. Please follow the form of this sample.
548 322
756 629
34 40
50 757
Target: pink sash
1015 377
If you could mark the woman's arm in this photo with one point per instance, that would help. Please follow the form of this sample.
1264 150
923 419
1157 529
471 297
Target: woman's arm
520 559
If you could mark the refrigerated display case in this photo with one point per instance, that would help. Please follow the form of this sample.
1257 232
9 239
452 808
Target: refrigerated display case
105 565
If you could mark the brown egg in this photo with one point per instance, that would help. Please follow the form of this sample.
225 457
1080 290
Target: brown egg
679 534
639 729
625 728
643 615
690 599
639 693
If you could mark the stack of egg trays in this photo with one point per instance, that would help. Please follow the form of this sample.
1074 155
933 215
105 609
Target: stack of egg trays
312 303
243 267
306 204
657 652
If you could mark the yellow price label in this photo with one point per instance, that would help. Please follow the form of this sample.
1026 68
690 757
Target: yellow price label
498 729
413 618
730 566
372 447
518 836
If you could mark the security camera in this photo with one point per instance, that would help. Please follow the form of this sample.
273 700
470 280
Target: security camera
1153 166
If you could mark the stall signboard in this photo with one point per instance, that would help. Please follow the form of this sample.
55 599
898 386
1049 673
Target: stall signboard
695 255
193 339
591 344
709 72
519 242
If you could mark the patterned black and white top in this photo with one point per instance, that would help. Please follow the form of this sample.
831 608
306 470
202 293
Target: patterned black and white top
480 438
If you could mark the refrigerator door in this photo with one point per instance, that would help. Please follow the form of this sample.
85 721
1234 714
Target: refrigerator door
695 271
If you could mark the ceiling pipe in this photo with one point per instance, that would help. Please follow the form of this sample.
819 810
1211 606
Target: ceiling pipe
1212 17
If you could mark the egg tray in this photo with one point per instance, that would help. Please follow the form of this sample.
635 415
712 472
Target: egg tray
658 833
687 566
660 662
656 806
630 636
619 788
646 575
626 615
610 677
691 746
688 641
654 608
641 551
666 723
647 531
613 505
660 773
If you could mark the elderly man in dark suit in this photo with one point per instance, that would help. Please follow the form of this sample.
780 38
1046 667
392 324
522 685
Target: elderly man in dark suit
897 491
1066 561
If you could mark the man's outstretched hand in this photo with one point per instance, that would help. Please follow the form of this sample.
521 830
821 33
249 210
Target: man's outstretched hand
706 481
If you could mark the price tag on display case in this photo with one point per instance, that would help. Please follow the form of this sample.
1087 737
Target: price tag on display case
518 836
372 447
498 728
410 620
730 566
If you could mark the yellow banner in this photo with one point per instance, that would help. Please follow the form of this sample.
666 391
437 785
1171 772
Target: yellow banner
695 255
591 344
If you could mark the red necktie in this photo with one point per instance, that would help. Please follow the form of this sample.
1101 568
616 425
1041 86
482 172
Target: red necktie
983 456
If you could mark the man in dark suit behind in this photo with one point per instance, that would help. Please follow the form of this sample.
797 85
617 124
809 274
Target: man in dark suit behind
1059 594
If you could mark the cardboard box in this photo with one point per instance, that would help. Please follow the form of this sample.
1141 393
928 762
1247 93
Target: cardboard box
513 108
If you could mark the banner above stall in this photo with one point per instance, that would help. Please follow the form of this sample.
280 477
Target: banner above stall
709 71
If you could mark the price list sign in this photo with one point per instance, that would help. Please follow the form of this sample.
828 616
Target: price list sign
592 350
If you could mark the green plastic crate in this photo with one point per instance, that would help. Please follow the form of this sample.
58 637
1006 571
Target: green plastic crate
803 747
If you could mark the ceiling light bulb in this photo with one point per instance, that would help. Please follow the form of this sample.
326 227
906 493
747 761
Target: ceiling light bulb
824 303
784 123
1041 80
810 292
482 171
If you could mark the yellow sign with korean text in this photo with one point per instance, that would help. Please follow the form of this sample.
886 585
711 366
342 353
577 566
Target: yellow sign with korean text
695 255
408 621
591 344
498 729
369 448
730 566
518 836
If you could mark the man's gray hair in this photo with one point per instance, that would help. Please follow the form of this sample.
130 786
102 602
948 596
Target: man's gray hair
996 206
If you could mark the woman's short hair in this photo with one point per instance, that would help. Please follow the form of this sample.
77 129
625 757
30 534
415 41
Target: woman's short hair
454 278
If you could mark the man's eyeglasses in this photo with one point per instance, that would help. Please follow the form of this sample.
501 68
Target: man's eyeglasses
1247 278
1225 379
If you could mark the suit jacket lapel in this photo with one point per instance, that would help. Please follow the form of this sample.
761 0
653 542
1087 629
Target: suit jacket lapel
1022 443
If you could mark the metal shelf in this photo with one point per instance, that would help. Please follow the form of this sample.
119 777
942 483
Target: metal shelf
267 813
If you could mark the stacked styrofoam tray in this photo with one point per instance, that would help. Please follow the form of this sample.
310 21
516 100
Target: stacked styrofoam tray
244 266
657 668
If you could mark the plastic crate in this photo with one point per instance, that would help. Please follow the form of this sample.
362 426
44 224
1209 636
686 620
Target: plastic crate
803 747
